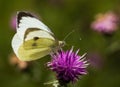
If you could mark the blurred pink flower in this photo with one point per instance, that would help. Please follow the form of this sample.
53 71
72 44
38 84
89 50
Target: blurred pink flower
13 22
105 23
95 60
15 61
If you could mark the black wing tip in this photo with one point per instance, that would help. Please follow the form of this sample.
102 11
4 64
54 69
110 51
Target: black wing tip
21 14
24 13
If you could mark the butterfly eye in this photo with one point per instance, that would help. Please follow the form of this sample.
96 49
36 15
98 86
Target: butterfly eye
61 43
35 38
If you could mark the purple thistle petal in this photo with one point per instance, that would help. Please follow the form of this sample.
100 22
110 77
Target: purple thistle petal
68 65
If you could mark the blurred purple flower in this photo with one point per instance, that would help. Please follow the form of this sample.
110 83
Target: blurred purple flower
68 65
105 23
13 22
95 60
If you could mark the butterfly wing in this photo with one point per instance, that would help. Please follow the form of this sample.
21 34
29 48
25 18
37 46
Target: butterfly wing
16 42
26 20
33 39
32 50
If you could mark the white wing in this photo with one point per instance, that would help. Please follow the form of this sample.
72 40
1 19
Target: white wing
27 21
39 34
16 42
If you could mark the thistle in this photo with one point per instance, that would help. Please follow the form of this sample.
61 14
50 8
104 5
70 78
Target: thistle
68 66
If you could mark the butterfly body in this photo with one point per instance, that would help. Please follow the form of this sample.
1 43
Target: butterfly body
33 39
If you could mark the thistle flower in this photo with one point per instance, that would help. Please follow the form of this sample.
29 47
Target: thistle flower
105 23
68 65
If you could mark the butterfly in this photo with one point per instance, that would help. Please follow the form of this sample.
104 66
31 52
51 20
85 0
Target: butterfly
33 39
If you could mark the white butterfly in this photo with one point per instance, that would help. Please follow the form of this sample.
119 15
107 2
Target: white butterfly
33 39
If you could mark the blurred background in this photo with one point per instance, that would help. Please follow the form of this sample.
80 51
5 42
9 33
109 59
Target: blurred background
96 27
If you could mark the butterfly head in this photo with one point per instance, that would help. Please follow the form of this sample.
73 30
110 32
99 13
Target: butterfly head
61 43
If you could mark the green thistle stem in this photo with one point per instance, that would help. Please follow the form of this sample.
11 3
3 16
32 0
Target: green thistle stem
62 84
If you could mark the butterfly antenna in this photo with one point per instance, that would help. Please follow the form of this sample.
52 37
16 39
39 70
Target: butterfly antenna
68 35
